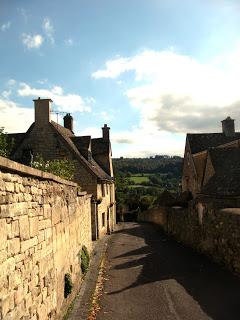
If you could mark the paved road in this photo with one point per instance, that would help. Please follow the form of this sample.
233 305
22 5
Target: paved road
150 277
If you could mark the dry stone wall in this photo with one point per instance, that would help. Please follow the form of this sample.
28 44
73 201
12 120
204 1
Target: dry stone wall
215 232
44 222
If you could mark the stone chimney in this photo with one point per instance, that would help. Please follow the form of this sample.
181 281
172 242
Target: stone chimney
105 131
42 111
68 121
228 127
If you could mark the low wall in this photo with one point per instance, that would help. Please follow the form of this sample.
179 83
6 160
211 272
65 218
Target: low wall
216 233
44 222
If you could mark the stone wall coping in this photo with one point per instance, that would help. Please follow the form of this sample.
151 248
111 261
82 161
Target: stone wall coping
231 210
84 193
21 169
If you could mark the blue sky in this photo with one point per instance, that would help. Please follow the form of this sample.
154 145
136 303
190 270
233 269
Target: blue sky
152 70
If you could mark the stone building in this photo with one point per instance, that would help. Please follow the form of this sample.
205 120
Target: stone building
91 157
211 162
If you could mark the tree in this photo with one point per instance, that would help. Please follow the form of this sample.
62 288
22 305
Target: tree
5 145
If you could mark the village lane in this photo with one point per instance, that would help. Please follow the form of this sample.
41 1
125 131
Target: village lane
150 276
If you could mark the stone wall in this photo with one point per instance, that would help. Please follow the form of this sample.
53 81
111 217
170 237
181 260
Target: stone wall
44 222
214 232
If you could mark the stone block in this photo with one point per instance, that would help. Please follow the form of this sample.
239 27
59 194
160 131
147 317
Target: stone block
14 279
3 234
25 245
18 295
13 246
9 186
44 224
33 224
15 229
24 227
41 236
56 215
5 303
28 301
3 256
42 311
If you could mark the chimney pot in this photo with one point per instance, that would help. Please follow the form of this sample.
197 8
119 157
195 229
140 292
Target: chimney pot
68 121
105 131
228 127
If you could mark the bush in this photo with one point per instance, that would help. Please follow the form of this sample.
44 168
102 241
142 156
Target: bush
61 168
6 145
68 285
84 259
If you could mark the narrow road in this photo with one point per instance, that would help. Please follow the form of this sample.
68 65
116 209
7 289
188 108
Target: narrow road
150 276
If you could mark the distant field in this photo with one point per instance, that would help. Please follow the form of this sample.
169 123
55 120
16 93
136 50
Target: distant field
138 179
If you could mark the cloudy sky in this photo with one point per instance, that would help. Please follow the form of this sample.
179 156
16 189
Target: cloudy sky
152 70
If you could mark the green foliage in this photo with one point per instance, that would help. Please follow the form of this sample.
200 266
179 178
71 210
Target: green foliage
68 285
140 181
85 259
5 145
158 164
62 168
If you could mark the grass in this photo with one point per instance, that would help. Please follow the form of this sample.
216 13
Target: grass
139 179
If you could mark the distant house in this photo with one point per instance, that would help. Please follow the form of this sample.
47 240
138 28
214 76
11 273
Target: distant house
212 162
91 157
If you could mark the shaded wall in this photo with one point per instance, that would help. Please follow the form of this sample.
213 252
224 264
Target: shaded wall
215 232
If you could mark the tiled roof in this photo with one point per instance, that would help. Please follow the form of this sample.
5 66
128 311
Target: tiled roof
100 146
199 162
92 165
202 141
15 139
82 142
226 180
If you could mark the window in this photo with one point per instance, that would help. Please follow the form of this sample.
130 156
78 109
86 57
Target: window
103 219
103 189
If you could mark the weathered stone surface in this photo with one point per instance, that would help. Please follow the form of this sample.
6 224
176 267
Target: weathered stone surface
3 234
214 232
39 240
24 227
14 246
33 226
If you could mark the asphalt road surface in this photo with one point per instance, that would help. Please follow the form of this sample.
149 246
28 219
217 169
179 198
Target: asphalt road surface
150 276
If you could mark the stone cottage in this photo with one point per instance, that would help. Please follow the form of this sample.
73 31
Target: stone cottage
211 161
91 157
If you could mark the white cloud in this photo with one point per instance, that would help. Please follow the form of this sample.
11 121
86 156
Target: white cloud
105 115
4 27
32 41
113 68
68 42
13 117
48 29
137 142
177 93
65 102
11 82
42 81
6 94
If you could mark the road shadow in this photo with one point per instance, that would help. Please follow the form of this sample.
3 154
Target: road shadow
162 258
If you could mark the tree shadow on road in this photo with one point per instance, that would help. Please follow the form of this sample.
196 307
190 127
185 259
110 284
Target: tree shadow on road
216 290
